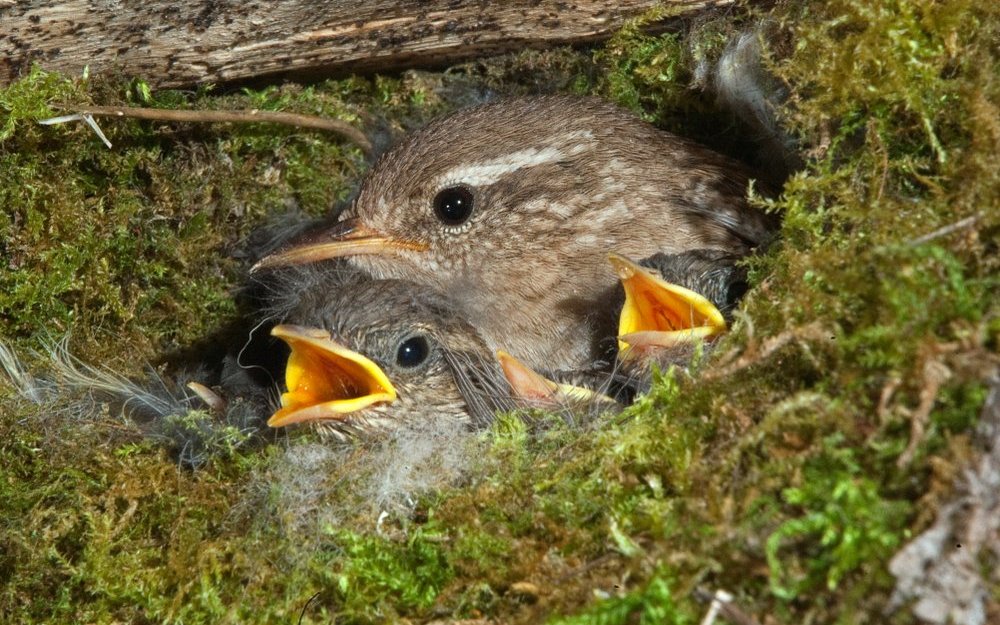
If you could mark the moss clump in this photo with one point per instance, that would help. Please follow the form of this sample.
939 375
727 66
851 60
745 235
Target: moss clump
381 578
93 536
847 518
139 238
786 467
652 604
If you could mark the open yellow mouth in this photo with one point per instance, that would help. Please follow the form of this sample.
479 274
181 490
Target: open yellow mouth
660 314
346 238
326 380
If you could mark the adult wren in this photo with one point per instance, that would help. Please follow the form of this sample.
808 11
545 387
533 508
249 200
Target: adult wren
510 209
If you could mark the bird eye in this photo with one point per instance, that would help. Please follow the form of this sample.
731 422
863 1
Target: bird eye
412 352
453 205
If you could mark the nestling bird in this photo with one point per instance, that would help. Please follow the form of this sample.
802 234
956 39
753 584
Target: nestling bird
509 210
375 354
673 302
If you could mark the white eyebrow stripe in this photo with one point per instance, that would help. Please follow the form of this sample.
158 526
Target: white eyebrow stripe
488 172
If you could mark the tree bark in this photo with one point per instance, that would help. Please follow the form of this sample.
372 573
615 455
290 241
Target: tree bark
188 42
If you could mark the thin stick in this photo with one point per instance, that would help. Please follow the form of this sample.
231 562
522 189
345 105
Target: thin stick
337 126
961 224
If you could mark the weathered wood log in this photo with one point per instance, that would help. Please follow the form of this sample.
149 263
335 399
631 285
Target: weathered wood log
189 42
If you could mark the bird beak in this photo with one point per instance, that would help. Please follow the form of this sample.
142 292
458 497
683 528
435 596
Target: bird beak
659 314
532 387
345 238
326 380
526 383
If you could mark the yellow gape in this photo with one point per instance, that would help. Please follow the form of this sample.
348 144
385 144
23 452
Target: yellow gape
326 380
657 313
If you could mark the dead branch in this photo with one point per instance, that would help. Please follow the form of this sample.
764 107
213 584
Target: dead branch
191 42
944 231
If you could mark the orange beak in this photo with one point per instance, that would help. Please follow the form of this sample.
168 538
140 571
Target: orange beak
530 386
659 314
326 380
345 238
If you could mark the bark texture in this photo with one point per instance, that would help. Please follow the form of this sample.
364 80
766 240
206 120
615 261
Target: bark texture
178 44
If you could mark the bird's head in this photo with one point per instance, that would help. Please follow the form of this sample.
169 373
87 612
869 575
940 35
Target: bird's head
674 302
378 354
500 189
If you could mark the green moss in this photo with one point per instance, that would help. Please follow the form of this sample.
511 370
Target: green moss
846 520
780 480
646 74
30 99
652 604
379 578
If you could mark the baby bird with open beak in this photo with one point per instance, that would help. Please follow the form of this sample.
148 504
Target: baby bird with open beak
672 303
509 209
377 354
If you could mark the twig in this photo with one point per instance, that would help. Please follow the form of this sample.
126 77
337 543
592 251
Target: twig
587 566
337 126
944 231
306 606
78 117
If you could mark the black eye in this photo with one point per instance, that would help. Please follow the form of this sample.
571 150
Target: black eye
453 205
412 352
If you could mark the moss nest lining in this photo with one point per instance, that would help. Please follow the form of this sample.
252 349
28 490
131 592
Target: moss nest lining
787 467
